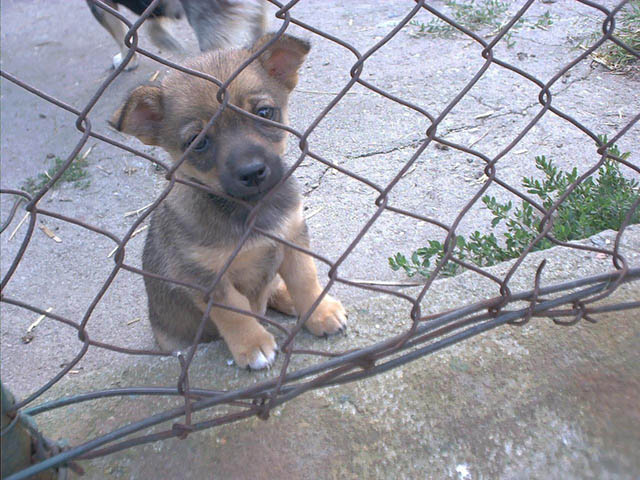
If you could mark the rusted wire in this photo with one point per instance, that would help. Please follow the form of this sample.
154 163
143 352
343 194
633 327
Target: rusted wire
424 334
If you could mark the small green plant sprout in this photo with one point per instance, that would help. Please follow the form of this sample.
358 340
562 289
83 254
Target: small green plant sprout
478 15
596 204
474 15
611 55
435 26
543 22
76 174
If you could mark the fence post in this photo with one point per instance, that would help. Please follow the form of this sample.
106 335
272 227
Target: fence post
17 444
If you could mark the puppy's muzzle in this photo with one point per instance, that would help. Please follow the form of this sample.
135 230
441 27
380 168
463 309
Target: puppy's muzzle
251 172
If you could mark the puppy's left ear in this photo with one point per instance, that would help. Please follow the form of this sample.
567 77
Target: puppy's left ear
283 58
141 115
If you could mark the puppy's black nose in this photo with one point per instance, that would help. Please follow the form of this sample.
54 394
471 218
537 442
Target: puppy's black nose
253 173
250 171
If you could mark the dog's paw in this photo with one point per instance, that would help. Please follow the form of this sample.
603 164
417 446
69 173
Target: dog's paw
256 349
330 317
117 60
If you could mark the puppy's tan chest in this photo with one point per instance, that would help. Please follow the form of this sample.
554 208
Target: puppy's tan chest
254 266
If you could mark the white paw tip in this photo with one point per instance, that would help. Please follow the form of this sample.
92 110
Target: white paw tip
261 361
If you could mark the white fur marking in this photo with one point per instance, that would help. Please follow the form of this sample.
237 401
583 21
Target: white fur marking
259 362
117 60
463 472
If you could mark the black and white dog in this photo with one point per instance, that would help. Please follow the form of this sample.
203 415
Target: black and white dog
216 23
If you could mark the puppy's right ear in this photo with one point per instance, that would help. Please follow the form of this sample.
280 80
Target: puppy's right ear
141 115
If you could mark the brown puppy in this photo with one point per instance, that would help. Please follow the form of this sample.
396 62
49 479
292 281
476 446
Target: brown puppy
193 233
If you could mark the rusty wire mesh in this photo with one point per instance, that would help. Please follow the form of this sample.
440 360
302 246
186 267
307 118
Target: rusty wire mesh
426 334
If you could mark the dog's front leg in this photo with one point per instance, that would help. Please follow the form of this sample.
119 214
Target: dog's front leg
301 278
117 29
250 343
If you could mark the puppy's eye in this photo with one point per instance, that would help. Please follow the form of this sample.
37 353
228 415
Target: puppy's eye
266 112
201 146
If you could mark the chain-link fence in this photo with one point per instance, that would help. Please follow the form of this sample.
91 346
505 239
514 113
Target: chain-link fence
567 303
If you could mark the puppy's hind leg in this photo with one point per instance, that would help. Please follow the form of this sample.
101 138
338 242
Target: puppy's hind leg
161 37
259 21
117 29
212 22
280 298
223 23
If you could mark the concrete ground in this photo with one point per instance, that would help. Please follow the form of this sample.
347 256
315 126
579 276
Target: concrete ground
541 401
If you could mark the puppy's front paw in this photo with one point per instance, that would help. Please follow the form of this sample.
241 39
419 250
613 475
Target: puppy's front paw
330 317
255 349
